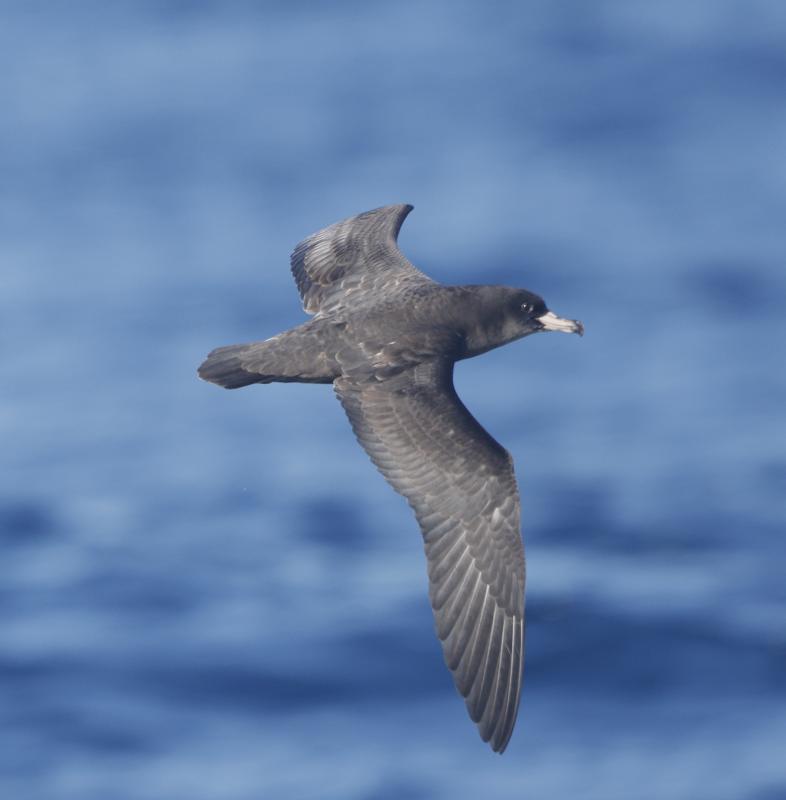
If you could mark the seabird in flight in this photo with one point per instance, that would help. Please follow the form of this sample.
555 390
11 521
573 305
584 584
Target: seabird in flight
387 336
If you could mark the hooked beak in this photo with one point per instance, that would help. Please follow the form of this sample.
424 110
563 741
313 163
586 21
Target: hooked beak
551 322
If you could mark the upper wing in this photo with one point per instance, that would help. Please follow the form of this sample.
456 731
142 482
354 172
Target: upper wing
461 485
359 254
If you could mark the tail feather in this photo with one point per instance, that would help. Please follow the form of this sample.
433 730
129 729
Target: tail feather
299 355
225 366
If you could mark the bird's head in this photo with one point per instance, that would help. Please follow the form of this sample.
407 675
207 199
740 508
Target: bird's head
502 314
528 313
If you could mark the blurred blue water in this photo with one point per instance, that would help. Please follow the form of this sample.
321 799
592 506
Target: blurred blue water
214 595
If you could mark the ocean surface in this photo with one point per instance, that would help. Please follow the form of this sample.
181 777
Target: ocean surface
210 595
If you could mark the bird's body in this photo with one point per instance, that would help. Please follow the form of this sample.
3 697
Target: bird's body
386 336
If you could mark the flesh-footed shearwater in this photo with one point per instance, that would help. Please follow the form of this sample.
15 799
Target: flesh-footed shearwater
386 336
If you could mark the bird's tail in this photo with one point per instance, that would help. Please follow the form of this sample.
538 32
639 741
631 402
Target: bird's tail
293 356
229 366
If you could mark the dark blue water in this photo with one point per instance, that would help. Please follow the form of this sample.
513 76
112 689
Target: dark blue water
213 596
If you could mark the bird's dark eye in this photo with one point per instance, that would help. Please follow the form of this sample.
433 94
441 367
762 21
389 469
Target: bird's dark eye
534 307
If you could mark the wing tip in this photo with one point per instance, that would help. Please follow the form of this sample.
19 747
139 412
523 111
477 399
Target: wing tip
498 736
400 208
493 693
403 210
395 213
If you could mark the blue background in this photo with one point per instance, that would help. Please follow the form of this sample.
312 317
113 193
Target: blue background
212 595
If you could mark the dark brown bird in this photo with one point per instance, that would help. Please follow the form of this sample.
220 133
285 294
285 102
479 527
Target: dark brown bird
386 336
